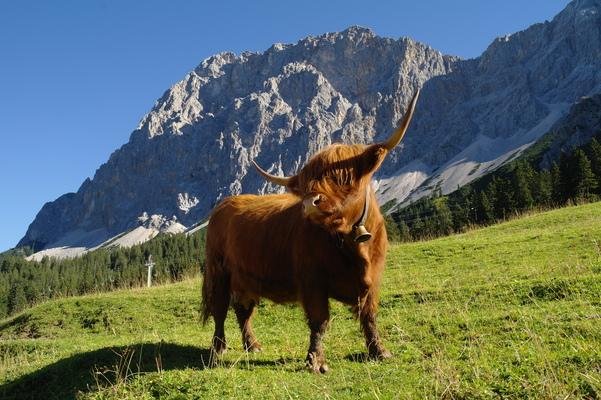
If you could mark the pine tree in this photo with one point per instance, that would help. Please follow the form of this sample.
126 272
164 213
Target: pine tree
484 209
504 203
521 181
491 192
16 297
543 189
444 218
392 229
417 229
595 157
556 187
585 181
462 208
404 234
566 177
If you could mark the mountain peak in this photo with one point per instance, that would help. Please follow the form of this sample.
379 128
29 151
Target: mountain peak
354 34
580 12
280 106
358 31
585 4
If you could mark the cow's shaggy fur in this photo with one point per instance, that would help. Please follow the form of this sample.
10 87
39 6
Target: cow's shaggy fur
272 247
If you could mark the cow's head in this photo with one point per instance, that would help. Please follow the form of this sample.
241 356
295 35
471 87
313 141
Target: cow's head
334 184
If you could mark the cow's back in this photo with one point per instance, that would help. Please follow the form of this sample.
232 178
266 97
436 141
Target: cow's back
251 237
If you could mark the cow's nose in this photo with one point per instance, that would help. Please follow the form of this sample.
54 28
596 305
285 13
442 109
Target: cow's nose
310 204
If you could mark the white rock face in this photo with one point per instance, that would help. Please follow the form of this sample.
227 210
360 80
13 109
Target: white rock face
148 228
185 203
280 106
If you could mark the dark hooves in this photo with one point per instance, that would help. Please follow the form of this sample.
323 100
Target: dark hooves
253 348
318 369
219 346
316 364
380 354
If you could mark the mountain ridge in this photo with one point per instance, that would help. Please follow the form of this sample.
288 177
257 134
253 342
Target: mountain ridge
279 106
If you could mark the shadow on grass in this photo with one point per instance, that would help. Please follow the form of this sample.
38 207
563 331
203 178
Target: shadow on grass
363 357
359 357
104 367
282 361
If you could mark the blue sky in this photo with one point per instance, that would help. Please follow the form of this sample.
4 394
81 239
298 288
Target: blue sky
77 76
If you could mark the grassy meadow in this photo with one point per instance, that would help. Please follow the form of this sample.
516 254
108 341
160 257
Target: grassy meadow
509 311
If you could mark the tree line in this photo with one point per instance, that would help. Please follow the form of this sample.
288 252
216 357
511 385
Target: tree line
516 188
24 283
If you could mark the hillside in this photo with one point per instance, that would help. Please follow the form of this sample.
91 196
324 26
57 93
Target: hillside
563 168
511 310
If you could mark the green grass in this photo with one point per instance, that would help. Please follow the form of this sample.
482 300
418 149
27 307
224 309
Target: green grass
511 311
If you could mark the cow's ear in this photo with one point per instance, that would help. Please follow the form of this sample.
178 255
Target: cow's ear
371 159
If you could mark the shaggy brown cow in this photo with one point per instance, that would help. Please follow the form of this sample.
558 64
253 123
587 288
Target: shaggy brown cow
324 239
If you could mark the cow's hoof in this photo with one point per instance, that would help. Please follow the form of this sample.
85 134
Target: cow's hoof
220 350
316 364
219 346
379 353
254 347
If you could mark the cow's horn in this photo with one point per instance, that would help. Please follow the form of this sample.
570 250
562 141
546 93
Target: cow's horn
278 180
396 137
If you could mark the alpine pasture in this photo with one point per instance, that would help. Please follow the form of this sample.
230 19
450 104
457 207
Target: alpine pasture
512 311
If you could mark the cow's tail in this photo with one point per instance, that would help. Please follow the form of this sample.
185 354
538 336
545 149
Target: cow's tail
208 290
213 284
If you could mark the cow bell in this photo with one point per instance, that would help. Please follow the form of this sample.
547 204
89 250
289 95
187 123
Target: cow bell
361 234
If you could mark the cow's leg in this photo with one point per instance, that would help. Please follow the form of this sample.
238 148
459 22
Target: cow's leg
244 313
318 314
367 316
220 306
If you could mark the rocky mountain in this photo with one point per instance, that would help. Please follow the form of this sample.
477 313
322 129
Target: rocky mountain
489 109
280 106
576 129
